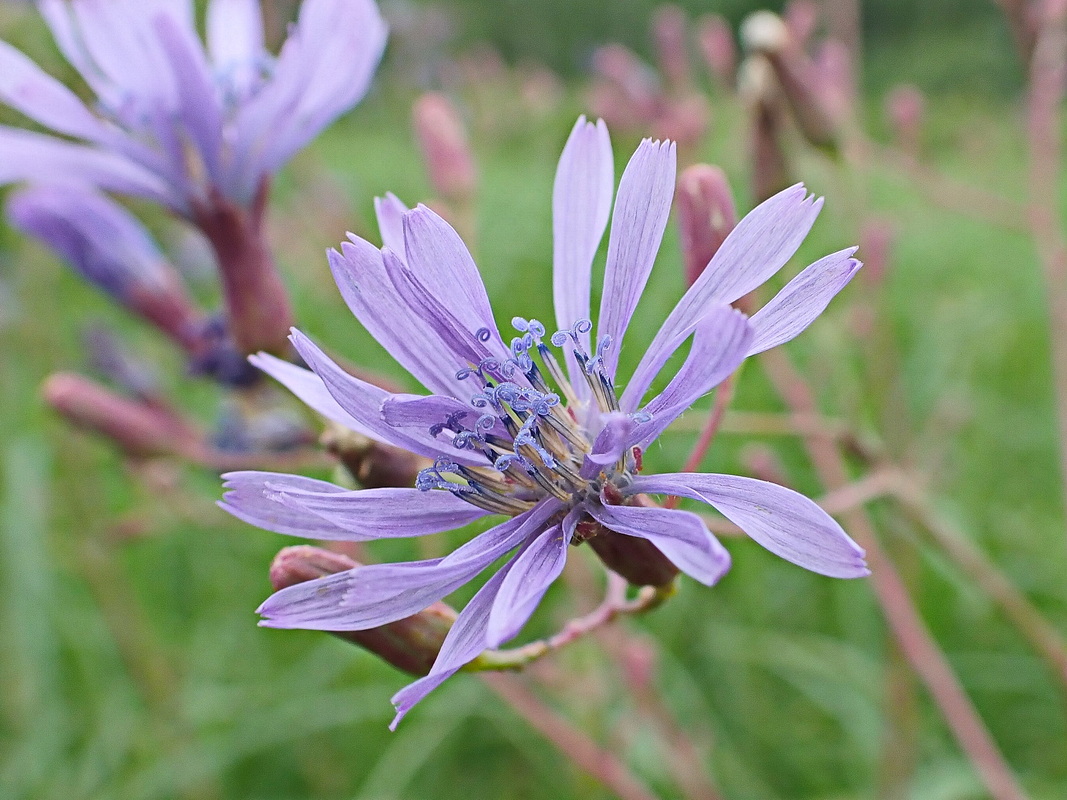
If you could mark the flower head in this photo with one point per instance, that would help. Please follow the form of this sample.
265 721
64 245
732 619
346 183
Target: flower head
173 122
535 427
110 249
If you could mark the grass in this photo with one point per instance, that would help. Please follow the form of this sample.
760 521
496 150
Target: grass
134 669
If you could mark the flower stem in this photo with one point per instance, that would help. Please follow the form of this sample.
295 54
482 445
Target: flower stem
602 764
915 640
614 605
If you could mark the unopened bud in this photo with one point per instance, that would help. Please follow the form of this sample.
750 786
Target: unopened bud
765 33
836 79
372 464
683 120
801 18
716 41
140 430
445 149
706 215
669 32
634 80
759 90
876 243
1024 20
410 644
110 249
905 108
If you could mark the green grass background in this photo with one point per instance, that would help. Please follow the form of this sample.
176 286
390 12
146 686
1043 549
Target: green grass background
134 668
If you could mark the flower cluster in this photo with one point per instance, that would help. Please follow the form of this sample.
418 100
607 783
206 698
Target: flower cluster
536 428
175 123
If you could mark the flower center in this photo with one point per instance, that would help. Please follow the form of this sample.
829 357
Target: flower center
533 425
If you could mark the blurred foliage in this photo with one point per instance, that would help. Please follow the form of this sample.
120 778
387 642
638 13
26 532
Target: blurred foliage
949 45
132 665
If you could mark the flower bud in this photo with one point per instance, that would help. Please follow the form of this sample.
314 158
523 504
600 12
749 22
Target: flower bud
836 79
765 33
905 108
372 464
628 83
669 33
801 18
445 149
110 249
1023 19
876 243
759 90
683 120
716 41
762 462
706 215
140 430
410 644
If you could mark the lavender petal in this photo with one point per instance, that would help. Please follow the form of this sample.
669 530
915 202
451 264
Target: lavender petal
235 41
755 250
364 282
360 515
803 299
642 207
529 575
29 156
680 535
783 521
381 593
720 342
27 88
581 203
363 401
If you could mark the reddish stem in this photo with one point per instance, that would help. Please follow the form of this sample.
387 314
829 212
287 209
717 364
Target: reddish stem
915 640
601 764
256 298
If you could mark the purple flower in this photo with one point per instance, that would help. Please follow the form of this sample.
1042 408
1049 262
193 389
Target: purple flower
535 429
172 122
110 249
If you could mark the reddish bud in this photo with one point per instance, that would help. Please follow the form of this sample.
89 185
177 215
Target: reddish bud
639 561
410 644
631 85
371 463
761 462
706 215
876 243
669 33
835 77
765 34
759 90
445 149
683 120
716 41
140 430
905 108
801 18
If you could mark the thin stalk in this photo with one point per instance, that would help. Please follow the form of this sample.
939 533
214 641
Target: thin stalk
1043 128
915 640
957 546
601 764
